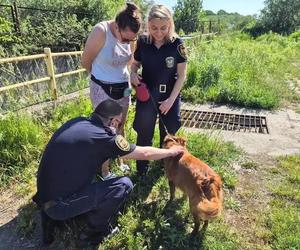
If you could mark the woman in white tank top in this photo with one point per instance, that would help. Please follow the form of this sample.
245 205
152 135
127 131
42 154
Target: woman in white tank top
107 53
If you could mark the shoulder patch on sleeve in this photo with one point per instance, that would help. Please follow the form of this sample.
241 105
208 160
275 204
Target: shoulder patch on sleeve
122 143
182 50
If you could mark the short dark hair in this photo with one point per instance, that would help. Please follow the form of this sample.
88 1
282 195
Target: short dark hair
129 17
108 108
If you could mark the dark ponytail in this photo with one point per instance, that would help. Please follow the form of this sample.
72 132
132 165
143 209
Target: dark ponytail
129 17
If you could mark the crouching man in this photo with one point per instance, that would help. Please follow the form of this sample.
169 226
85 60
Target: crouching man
66 174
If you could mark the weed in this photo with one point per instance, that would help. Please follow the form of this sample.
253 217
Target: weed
21 142
283 220
233 204
242 71
249 165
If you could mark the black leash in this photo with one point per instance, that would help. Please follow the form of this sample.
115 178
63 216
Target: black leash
159 114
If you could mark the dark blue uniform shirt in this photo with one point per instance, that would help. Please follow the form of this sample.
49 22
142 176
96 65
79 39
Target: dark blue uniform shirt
73 154
159 65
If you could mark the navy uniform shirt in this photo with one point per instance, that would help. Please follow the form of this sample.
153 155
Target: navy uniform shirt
74 153
159 65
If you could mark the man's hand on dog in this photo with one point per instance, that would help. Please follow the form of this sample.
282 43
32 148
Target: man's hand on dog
176 150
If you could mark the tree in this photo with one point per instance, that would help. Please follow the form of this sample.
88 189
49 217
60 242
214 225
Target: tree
187 15
209 13
222 12
281 16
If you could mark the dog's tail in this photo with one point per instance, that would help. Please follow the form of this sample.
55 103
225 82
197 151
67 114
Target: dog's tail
211 205
210 209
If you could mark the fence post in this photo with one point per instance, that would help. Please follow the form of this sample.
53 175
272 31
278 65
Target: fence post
51 73
16 18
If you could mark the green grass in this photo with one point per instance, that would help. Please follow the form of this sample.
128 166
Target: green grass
238 70
21 142
146 221
149 223
283 220
67 111
23 137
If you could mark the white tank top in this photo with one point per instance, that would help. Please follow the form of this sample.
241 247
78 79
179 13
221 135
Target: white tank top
110 65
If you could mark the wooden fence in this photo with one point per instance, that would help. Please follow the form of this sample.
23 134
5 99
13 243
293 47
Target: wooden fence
51 76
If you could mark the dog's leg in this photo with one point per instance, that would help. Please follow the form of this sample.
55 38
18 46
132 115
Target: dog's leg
204 226
196 226
172 190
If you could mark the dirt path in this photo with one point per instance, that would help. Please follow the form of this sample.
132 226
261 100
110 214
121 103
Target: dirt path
253 196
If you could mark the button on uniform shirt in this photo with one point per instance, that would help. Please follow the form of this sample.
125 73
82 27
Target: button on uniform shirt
159 65
73 155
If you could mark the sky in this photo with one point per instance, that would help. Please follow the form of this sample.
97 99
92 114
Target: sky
243 7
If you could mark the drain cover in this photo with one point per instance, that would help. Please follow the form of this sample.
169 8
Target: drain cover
217 120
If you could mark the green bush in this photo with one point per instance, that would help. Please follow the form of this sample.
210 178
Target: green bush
295 36
5 31
237 69
21 142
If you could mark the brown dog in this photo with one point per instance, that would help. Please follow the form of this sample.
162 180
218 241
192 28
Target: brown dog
202 185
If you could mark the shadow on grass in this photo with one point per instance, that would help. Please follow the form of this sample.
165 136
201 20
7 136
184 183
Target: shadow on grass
168 224
25 231
22 231
169 227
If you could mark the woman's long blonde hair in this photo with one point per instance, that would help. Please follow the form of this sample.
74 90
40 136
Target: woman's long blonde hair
162 12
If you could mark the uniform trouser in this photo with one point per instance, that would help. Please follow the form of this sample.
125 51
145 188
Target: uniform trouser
98 202
144 125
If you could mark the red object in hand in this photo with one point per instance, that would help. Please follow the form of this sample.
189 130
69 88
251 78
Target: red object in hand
142 92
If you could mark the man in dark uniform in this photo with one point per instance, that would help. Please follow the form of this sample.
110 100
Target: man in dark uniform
65 181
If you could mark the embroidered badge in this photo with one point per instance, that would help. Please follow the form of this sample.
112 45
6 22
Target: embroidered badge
170 62
182 51
122 143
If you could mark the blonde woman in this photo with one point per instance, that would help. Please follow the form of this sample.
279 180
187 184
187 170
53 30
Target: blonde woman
163 59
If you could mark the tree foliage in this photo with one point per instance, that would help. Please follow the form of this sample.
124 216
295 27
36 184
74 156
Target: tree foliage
227 21
281 16
58 24
187 15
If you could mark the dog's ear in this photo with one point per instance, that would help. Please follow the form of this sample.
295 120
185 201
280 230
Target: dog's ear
182 141
168 137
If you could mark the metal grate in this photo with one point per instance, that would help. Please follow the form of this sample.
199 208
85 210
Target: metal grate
217 120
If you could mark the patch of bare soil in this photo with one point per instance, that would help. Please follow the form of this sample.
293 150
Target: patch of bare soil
253 196
12 205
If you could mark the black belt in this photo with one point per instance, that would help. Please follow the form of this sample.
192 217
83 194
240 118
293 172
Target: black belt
115 90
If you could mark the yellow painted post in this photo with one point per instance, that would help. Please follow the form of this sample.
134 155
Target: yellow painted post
51 73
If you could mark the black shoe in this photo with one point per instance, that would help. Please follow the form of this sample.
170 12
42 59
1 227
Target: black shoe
89 239
48 227
92 238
